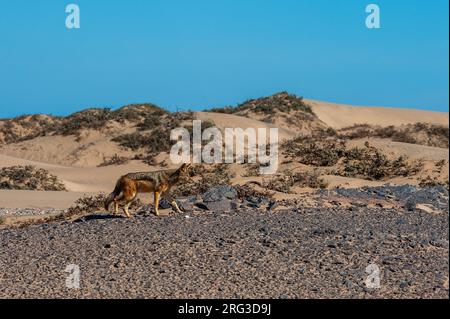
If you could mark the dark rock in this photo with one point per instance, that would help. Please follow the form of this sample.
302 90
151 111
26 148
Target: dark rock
164 204
201 206
220 206
272 205
332 245
220 193
185 205
410 204
404 284
348 284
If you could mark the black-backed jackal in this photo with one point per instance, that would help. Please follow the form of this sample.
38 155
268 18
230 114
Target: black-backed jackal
159 183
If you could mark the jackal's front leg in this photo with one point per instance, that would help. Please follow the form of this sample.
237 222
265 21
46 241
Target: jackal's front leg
116 208
156 203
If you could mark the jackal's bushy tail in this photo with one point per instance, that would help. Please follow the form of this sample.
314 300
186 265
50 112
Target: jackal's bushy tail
116 192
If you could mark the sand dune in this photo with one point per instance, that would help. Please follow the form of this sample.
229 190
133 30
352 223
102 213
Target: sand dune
39 200
234 121
342 115
75 161
82 179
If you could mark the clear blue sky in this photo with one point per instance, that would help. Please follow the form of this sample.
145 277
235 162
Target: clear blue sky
203 53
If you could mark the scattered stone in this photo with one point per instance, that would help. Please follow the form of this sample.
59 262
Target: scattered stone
220 193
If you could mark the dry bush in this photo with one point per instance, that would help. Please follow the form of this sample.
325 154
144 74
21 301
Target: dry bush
137 112
87 204
433 182
158 139
29 178
97 118
153 143
440 164
88 119
418 133
114 160
369 162
311 151
246 191
356 131
149 123
284 182
94 118
279 102
252 170
91 204
202 178
26 127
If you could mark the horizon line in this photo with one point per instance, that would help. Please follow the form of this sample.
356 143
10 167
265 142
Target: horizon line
206 108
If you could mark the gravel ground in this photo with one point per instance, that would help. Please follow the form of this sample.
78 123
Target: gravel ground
28 211
294 253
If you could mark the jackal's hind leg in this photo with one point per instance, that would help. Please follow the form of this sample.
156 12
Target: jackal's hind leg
175 206
172 202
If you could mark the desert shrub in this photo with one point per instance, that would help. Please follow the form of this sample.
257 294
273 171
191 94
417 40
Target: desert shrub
252 170
284 182
201 179
224 110
93 203
279 102
158 139
282 101
369 162
25 128
29 178
440 164
157 120
356 131
432 182
133 141
149 123
246 191
88 119
418 133
314 152
135 112
114 160
154 142
366 162
94 118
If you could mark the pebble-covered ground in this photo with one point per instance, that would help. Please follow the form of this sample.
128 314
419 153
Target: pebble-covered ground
249 253
28 211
